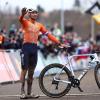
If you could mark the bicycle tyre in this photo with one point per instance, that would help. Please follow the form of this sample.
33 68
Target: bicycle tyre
97 75
41 81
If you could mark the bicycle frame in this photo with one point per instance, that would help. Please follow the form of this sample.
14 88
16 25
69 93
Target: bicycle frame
69 62
95 59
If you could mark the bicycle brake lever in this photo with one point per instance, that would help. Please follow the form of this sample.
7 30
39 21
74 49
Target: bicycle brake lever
66 46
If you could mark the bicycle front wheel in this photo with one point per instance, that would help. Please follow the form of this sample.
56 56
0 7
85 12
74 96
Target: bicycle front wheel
97 75
54 88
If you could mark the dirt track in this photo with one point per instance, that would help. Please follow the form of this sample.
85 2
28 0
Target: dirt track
88 84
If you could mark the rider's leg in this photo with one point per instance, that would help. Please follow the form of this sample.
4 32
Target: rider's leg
29 83
32 65
22 79
30 80
33 62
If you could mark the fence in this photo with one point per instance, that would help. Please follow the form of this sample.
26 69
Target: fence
10 64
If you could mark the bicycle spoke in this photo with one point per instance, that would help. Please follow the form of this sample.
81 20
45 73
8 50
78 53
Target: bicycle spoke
53 88
51 80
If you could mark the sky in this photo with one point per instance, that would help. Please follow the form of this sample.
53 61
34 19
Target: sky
48 5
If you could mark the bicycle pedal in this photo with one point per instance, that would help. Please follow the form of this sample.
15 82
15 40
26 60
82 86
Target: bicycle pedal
80 89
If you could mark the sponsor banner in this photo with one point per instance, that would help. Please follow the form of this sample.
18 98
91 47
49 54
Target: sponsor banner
10 64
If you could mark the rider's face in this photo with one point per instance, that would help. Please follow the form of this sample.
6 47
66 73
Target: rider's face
33 15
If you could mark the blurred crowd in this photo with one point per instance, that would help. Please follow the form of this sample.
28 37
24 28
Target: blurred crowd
13 39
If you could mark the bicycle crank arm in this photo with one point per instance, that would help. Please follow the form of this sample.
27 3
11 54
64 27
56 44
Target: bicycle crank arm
79 88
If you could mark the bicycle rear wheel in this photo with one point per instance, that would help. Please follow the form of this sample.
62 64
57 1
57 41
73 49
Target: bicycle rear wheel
97 75
49 86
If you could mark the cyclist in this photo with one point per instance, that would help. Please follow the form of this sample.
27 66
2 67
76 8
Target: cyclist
29 49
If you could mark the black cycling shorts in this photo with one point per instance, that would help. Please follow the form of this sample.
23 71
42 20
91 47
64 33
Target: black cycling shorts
29 55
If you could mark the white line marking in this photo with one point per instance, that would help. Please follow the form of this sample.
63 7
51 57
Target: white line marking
85 94
9 95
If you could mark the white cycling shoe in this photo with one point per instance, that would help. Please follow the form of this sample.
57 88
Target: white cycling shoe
33 96
23 96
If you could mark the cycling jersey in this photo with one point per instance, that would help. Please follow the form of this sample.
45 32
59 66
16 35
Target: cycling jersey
32 29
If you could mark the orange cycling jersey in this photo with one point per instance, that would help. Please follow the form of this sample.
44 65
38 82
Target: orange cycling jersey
32 29
1 39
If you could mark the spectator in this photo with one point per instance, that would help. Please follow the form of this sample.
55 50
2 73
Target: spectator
56 30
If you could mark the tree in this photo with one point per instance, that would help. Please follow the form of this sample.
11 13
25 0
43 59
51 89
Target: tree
77 5
17 11
40 9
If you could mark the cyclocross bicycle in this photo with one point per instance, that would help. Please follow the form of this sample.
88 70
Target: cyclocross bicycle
56 79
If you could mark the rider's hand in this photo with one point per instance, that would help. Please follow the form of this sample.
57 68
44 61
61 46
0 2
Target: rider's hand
24 11
64 45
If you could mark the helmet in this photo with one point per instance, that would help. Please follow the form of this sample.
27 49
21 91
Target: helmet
32 11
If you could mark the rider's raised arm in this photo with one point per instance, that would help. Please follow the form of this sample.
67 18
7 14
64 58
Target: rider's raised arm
23 13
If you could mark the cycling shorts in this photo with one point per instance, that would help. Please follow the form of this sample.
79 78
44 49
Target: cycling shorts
29 55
